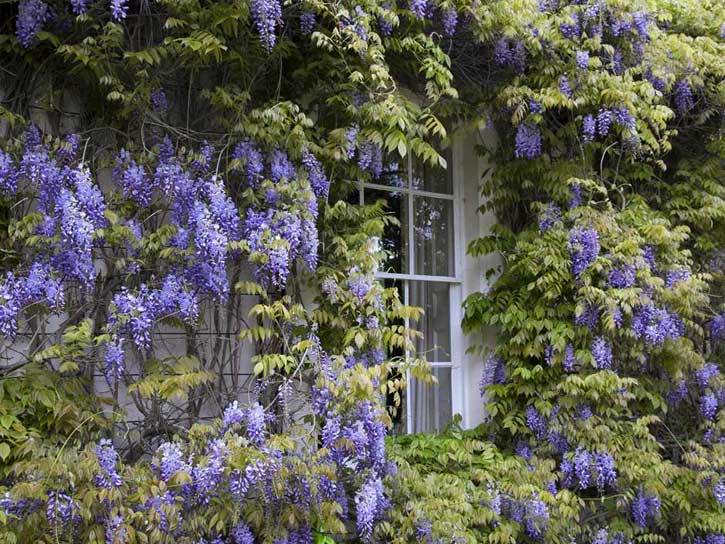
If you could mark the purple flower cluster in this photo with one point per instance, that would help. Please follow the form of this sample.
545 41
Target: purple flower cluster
717 327
571 30
133 315
370 158
8 174
549 217
676 276
107 459
119 9
677 393
307 22
62 511
279 238
133 179
73 206
641 22
316 173
655 325
588 318
604 122
32 15
708 406
449 18
359 285
537 423
16 293
582 60
585 469
532 513
624 119
718 491
114 360
159 102
583 248
589 128
280 167
683 98
706 374
253 161
565 88
648 254
510 53
242 534
18 508
255 419
79 7
645 508
602 353
527 142
267 15
494 373
575 196
419 8
570 360
712 538
370 505
622 277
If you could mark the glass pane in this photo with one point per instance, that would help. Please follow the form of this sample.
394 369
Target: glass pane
435 324
395 174
432 178
433 231
431 403
395 237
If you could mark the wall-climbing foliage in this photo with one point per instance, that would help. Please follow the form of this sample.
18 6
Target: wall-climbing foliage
183 169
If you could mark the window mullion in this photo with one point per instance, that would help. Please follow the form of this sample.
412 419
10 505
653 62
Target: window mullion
408 383
411 220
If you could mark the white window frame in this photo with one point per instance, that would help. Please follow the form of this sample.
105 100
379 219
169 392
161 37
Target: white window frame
458 391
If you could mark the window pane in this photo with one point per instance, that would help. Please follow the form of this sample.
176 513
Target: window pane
431 403
395 237
435 324
433 231
395 174
432 178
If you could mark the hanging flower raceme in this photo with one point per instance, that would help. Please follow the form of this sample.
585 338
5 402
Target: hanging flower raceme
655 325
32 15
267 15
41 285
583 248
528 141
645 508
134 314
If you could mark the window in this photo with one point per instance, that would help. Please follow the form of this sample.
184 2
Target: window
424 265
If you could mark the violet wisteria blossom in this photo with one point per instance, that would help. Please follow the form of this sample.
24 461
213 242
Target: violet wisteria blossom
645 508
528 141
307 22
419 8
604 122
267 15
32 16
589 128
449 19
370 506
683 98
549 217
602 353
582 60
119 9
583 248
655 325
108 461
